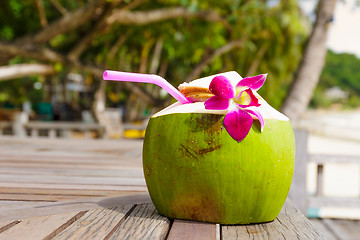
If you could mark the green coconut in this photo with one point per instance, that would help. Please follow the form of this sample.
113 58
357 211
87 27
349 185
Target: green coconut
195 170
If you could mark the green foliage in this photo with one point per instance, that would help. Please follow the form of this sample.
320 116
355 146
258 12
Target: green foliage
281 33
341 70
17 18
19 91
319 100
272 38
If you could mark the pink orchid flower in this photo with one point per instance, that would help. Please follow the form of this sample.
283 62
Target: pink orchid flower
239 119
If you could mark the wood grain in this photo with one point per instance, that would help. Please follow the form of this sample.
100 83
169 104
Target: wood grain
192 230
127 221
48 208
56 191
55 195
324 229
38 227
9 204
124 172
72 179
344 229
73 186
144 222
290 224
45 170
44 180
94 224
5 225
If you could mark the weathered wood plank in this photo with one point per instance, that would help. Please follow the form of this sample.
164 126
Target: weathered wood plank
67 192
290 224
55 195
129 172
344 229
67 158
79 180
324 229
121 143
71 163
144 222
70 147
75 186
38 151
78 152
60 165
192 230
91 154
317 202
6 204
331 158
95 224
44 209
39 227
5 225
42 198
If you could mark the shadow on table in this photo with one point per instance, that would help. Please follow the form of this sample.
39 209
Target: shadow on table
125 200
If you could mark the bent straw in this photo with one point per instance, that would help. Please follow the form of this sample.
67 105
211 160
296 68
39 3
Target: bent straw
145 78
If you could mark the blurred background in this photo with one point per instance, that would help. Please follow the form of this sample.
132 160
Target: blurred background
53 54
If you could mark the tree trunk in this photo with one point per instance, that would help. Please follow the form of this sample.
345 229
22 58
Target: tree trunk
99 102
311 65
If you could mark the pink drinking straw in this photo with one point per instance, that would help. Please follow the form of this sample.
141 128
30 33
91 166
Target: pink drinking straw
145 78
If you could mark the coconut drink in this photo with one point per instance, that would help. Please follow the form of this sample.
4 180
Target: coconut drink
224 157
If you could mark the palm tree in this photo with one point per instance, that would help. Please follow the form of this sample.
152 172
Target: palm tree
311 65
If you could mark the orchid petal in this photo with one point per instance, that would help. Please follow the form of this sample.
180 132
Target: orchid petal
222 87
257 115
217 103
247 98
238 123
254 83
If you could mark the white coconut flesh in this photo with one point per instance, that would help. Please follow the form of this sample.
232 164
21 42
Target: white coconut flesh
265 109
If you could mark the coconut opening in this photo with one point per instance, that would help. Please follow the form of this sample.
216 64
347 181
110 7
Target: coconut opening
265 109
204 82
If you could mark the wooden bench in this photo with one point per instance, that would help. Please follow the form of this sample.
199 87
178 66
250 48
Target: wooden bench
6 128
319 200
310 205
63 129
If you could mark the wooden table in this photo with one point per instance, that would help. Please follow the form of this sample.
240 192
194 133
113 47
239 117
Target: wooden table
142 221
80 189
